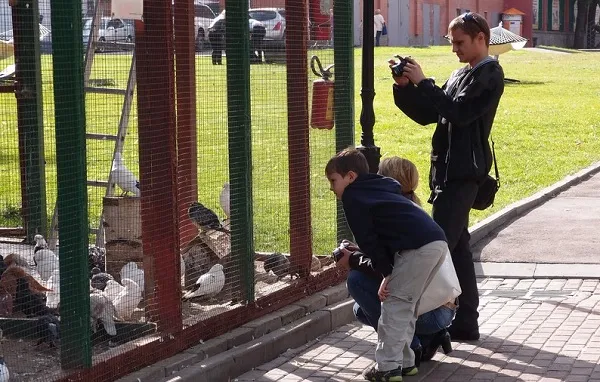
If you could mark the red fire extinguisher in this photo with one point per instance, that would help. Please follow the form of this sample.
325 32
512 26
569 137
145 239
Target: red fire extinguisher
322 116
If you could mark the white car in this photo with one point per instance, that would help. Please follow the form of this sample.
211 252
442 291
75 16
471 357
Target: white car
110 30
273 20
203 17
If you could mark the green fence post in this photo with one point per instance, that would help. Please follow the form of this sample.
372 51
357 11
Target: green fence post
240 142
343 58
28 91
69 115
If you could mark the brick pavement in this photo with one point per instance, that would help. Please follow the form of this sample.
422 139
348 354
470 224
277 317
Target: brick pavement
531 330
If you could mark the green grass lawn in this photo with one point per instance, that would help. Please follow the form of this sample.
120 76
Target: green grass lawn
547 127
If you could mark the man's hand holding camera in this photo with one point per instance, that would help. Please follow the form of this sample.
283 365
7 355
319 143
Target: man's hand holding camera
406 70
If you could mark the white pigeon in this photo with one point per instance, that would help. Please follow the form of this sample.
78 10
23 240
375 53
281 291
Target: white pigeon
4 374
103 310
40 243
113 290
53 296
209 284
224 199
123 177
129 298
45 263
131 271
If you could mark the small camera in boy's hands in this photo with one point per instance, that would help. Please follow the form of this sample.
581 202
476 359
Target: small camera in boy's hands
398 67
337 253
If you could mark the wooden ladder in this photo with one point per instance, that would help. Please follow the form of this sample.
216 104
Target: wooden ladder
119 138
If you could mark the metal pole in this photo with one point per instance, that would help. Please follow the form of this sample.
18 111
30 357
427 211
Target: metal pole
28 91
240 143
367 93
73 226
343 58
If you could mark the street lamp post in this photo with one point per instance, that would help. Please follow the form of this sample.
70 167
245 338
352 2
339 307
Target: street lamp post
367 93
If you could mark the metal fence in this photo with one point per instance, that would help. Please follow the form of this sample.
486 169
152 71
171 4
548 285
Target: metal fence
162 183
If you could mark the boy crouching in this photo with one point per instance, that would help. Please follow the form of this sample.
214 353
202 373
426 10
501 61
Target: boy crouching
405 245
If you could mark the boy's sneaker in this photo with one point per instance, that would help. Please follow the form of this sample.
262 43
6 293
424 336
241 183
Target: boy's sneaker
375 375
410 371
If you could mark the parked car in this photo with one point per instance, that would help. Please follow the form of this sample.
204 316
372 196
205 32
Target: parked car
203 18
45 39
110 30
273 19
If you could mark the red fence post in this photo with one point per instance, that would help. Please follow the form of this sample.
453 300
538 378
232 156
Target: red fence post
187 156
298 135
157 146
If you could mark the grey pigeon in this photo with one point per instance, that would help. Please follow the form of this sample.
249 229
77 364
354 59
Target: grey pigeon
279 264
96 258
204 217
99 279
48 330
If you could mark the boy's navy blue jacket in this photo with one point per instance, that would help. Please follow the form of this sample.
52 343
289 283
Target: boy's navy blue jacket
384 222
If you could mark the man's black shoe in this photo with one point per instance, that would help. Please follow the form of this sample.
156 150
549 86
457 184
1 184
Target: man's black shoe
463 335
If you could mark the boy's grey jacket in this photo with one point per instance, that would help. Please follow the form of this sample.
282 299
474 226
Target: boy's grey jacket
384 222
464 110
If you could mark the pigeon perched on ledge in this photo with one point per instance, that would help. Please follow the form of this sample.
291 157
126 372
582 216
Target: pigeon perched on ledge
123 177
204 217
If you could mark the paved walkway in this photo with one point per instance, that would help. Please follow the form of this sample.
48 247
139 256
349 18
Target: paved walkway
531 330
563 230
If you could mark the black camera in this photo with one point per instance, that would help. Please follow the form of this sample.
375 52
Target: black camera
398 68
337 253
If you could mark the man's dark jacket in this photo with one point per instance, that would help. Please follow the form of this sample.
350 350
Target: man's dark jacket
385 222
464 109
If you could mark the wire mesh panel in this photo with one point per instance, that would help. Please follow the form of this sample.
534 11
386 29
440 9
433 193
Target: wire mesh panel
170 170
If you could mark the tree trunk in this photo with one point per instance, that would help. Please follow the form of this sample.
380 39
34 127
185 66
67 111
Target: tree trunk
591 24
581 23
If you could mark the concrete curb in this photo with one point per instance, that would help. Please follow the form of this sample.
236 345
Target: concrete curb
537 270
255 343
513 211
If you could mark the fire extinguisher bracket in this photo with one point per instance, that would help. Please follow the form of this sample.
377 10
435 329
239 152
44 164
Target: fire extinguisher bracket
322 115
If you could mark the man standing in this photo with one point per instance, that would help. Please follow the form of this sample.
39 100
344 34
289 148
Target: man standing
464 110
378 22
257 36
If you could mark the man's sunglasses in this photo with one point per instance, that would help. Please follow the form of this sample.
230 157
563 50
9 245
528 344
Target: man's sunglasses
469 17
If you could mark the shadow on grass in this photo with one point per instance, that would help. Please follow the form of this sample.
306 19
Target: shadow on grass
515 82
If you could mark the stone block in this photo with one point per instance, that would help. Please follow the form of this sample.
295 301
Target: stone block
312 303
335 294
264 325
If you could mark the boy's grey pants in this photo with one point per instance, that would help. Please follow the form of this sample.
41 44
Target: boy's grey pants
413 271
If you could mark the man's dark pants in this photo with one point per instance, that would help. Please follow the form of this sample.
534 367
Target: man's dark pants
451 209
